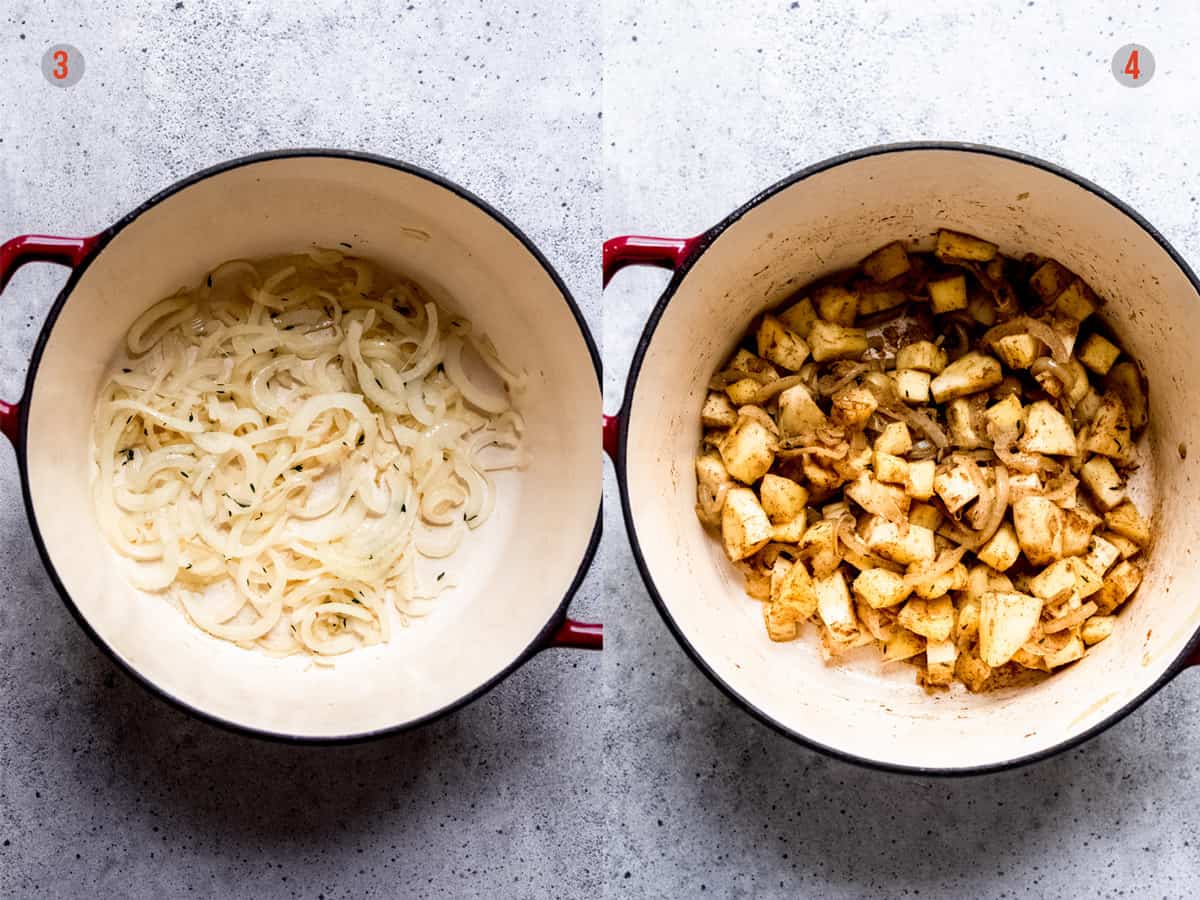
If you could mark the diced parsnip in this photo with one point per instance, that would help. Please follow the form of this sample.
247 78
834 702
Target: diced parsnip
797 593
779 572
1121 581
781 626
836 304
926 515
760 415
966 622
1002 550
819 546
747 363
857 459
912 385
953 580
799 317
758 579
1006 621
1087 406
1087 582
955 486
940 657
966 422
1050 279
1078 525
1018 351
924 356
828 340
886 263
1125 520
782 498
718 412
981 579
748 450
1097 628
1101 555
743 391
894 439
948 294
1047 431
821 480
790 532
745 528
835 607
956 245
1110 435
972 671
932 619
1125 547
903 644
1066 647
1005 415
873 299
913 545
881 588
1077 301
1021 484
970 374
1067 330
982 308
1125 380
890 469
710 470
1102 481
885 500
1031 658
853 405
781 346
1054 583
1098 353
799 413
1039 528
921 475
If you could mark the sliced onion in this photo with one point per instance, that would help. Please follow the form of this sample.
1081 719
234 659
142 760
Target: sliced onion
771 389
859 554
943 564
1071 619
1028 325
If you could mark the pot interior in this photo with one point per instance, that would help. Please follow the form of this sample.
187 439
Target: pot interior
831 220
513 574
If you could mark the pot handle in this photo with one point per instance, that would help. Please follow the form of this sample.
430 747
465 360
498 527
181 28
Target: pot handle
26 248
577 635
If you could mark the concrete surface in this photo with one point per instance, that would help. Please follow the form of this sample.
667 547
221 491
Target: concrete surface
107 792
706 104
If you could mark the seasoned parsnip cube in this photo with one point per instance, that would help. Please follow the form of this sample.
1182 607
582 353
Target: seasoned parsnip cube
1101 555
1050 279
748 450
1110 435
835 607
970 374
1098 353
873 299
745 528
932 619
1002 550
1064 648
981 579
948 294
781 626
1097 628
903 644
799 317
820 547
890 469
1119 584
1126 521
1006 622
880 499
1087 582
779 573
1022 483
1018 351
886 263
1006 414
746 362
742 391
718 412
965 418
981 308
828 340
710 470
1047 431
1067 330
836 304
821 480
791 532
954 580
1125 547
972 671
1054 583
914 545
956 245
926 515
940 657
1077 301
761 416
781 346
798 411
1078 525
782 498
1087 406
955 486
1039 527
1102 481
924 356
857 459
797 593
966 622
1125 380
881 588
912 385
921 475
894 439
853 405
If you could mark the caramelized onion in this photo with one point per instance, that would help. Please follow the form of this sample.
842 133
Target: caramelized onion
943 564
857 553
773 388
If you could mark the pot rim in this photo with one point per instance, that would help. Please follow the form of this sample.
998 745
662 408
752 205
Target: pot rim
703 243
539 642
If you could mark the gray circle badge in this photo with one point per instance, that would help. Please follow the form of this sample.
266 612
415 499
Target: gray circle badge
62 65
1133 65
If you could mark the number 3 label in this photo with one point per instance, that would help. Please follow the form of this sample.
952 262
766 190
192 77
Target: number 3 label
62 65
1133 65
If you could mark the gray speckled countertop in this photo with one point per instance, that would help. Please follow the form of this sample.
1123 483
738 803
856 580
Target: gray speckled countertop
623 774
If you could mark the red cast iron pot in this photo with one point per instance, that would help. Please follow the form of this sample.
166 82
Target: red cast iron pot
826 218
515 578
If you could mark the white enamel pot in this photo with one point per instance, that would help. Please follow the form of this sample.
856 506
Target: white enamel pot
829 217
515 576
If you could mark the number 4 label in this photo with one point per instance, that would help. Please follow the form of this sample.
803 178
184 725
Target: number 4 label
1133 65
